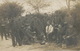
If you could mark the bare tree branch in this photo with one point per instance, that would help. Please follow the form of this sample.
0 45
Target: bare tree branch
38 4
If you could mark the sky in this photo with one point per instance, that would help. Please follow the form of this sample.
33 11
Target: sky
55 5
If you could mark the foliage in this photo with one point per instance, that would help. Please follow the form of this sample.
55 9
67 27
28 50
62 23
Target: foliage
10 9
59 16
76 15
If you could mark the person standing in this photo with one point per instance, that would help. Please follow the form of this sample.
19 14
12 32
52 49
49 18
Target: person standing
49 30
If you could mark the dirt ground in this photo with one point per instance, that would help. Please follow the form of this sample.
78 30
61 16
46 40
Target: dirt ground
5 45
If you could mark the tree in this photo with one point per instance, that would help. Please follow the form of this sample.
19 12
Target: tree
59 16
68 3
75 14
38 4
10 10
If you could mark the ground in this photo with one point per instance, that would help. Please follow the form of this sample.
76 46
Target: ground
5 45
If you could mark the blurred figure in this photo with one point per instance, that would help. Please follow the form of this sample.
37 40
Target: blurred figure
27 39
49 30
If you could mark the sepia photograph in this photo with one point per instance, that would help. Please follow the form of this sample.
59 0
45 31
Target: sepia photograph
39 25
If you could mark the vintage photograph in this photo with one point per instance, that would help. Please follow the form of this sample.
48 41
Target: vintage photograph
39 25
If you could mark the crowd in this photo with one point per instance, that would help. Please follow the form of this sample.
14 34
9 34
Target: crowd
38 29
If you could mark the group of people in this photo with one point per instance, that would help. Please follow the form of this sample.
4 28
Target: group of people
61 34
4 31
49 32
